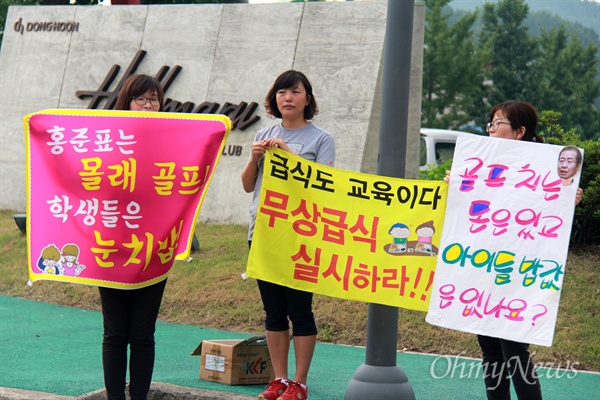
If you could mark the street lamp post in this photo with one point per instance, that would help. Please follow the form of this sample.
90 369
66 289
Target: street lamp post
380 377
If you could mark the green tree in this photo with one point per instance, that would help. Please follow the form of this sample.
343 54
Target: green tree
452 69
551 71
511 51
567 82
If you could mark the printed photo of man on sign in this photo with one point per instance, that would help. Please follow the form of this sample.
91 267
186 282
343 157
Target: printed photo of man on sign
506 235
346 234
113 196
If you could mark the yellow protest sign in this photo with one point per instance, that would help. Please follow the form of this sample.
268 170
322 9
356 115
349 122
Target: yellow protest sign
346 234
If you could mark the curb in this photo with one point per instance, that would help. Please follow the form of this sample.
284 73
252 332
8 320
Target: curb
158 391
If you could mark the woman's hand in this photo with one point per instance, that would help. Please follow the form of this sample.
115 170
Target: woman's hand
579 195
276 142
258 150
250 173
447 177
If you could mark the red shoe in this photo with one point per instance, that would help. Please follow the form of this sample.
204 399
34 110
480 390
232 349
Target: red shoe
275 388
295 391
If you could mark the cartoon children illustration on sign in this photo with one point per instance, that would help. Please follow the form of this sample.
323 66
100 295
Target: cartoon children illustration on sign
400 232
70 254
49 261
420 247
425 232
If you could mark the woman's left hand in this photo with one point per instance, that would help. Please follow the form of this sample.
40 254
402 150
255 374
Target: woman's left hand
579 195
277 142
447 177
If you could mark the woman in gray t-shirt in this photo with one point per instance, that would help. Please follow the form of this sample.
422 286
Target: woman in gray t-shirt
291 99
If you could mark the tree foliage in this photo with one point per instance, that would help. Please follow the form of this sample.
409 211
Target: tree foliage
511 51
566 80
452 72
553 70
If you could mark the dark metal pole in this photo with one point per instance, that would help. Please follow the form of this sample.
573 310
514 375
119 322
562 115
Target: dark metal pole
379 377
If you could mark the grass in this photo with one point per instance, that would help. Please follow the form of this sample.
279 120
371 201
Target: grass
208 291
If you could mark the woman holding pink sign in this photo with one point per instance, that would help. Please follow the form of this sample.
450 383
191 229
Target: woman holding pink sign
291 99
130 316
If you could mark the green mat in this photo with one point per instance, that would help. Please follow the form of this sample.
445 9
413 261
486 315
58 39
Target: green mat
57 349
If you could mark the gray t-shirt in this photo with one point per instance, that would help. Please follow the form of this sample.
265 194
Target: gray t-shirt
310 142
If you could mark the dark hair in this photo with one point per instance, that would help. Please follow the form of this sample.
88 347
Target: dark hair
520 113
285 81
137 85
578 157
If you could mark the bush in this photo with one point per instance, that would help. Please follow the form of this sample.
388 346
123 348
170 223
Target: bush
436 172
586 224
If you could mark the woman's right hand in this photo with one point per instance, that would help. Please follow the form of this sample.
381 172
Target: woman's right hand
277 142
447 177
250 173
258 150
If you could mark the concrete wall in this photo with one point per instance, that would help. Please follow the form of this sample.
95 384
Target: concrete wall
227 53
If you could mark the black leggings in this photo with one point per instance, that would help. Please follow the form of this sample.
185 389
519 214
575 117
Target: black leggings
281 302
129 320
503 360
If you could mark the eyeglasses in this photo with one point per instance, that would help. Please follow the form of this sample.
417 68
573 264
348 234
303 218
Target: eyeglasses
492 125
141 101
568 162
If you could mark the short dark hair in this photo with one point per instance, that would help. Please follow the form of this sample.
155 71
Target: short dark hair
520 113
137 85
285 81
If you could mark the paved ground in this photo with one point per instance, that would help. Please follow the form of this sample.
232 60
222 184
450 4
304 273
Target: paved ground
49 352
158 391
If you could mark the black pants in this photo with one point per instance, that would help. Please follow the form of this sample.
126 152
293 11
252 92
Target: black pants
129 320
281 302
503 360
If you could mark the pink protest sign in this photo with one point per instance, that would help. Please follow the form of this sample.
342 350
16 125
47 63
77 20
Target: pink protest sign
113 196
505 239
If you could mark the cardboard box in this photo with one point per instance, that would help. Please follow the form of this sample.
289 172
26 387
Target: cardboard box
235 362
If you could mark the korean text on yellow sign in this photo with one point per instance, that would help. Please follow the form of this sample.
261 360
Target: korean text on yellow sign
346 234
